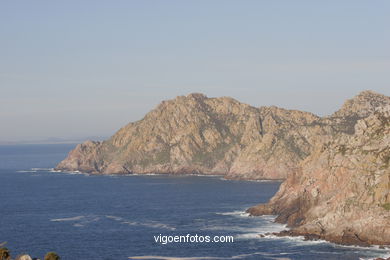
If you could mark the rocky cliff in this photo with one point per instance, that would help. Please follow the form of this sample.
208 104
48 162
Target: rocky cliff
341 192
197 134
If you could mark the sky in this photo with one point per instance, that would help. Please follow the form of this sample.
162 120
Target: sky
75 69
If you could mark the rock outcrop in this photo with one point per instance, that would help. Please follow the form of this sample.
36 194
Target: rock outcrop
341 192
196 134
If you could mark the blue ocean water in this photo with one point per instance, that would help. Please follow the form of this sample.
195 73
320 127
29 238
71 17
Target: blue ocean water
116 217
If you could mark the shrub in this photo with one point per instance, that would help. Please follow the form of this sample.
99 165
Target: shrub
52 256
386 206
4 254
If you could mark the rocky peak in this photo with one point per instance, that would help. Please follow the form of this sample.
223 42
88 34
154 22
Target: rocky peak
197 96
362 104
190 99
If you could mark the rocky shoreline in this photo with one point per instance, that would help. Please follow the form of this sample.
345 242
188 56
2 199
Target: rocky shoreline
341 193
348 239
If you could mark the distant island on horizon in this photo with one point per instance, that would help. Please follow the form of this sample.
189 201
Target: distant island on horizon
53 140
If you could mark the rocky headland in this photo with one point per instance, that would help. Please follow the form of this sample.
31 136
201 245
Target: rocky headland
198 135
336 168
341 192
195 134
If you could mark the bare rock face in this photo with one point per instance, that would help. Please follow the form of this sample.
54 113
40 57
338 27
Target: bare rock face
196 134
362 105
287 137
341 192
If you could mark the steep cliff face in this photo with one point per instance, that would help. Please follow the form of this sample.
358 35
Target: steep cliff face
196 134
341 192
287 138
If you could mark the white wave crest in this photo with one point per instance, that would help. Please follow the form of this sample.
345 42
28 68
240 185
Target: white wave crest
67 219
75 173
152 224
115 218
237 213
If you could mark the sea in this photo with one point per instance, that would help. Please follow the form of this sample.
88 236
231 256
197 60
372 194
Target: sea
93 217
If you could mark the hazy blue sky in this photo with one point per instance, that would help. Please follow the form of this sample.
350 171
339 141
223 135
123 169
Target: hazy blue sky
82 68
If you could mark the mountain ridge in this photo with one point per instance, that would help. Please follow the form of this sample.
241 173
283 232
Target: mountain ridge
197 134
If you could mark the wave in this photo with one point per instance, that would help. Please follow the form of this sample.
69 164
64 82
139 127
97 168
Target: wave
293 239
384 256
78 221
54 171
237 213
152 224
74 173
155 257
248 232
206 175
67 219
144 174
264 224
372 252
42 169
115 218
